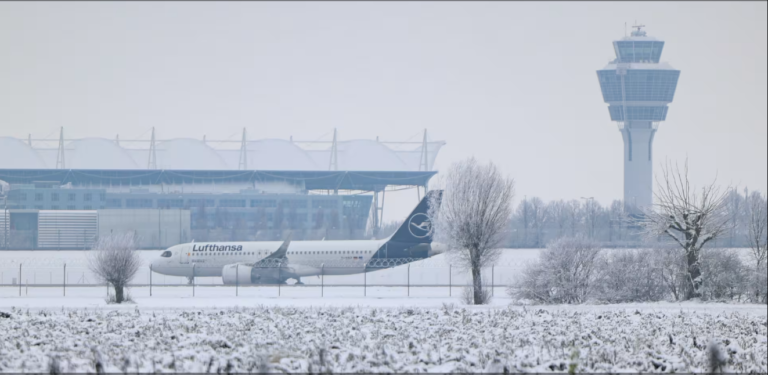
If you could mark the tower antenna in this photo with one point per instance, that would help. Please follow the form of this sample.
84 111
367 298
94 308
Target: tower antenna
638 32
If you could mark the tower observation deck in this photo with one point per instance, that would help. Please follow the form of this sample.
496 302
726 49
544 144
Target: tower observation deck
638 88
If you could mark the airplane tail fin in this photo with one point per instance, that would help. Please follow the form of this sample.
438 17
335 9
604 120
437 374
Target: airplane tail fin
417 227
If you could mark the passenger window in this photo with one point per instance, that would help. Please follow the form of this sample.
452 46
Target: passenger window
166 254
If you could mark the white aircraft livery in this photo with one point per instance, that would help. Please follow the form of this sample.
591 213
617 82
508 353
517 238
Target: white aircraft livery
272 262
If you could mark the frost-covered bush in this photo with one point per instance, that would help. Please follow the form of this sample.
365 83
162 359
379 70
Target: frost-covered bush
573 272
564 272
723 275
630 276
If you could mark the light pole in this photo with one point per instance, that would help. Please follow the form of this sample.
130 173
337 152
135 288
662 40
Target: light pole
180 207
5 220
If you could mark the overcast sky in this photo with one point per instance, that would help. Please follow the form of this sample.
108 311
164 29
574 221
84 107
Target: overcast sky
511 82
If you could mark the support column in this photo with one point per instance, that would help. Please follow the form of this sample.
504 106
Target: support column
638 163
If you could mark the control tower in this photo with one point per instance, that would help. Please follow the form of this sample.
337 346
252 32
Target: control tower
638 88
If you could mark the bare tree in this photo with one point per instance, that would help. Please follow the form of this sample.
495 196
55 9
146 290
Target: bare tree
114 260
474 211
540 217
574 214
689 218
758 227
616 220
558 211
523 216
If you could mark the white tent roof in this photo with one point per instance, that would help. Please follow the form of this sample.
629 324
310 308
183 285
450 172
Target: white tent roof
193 154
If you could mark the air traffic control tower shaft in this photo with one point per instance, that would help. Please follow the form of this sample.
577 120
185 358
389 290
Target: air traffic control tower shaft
638 88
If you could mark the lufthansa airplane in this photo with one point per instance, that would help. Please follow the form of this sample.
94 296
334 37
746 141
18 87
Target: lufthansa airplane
271 262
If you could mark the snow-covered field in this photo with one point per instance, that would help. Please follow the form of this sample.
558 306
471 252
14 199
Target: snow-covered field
367 339
352 329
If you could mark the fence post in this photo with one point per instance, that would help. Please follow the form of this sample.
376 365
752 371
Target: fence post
237 281
493 285
450 285
279 266
20 280
150 279
365 282
322 279
65 279
409 279
193 279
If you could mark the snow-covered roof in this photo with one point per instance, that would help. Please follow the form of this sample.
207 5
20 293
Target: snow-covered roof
96 153
15 153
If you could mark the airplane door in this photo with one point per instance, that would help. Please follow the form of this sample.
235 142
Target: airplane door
184 255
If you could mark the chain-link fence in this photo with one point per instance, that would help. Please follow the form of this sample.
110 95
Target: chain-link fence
384 278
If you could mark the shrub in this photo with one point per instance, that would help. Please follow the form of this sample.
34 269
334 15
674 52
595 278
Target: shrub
630 275
724 276
564 272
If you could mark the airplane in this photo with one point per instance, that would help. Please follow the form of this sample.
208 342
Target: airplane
275 262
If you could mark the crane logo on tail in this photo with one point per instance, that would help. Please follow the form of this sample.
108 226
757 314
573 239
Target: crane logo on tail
420 225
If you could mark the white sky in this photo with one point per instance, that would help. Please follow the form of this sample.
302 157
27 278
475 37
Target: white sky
511 82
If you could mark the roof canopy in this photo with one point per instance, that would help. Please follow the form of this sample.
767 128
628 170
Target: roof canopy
311 180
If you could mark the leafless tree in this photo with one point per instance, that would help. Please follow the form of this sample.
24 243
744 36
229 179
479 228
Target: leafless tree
114 260
735 210
575 214
540 217
758 227
616 221
558 211
475 209
688 218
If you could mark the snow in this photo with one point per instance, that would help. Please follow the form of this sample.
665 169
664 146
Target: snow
370 339
339 329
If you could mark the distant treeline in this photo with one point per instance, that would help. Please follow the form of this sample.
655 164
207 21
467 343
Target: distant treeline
536 223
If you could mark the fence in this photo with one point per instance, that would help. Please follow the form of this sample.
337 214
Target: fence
54 278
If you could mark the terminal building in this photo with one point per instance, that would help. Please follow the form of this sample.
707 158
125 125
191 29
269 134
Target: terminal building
64 193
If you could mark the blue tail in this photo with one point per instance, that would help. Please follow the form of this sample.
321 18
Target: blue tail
417 227
412 240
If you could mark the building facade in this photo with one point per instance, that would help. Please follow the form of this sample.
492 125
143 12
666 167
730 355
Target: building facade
71 208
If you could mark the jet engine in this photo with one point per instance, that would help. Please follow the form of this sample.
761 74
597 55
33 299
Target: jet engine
244 274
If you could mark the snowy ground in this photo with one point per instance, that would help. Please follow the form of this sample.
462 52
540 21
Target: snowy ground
351 328
367 339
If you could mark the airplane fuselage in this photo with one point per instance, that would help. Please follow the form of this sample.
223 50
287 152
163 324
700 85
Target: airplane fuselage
314 257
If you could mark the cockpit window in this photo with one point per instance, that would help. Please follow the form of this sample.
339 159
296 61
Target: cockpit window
166 254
